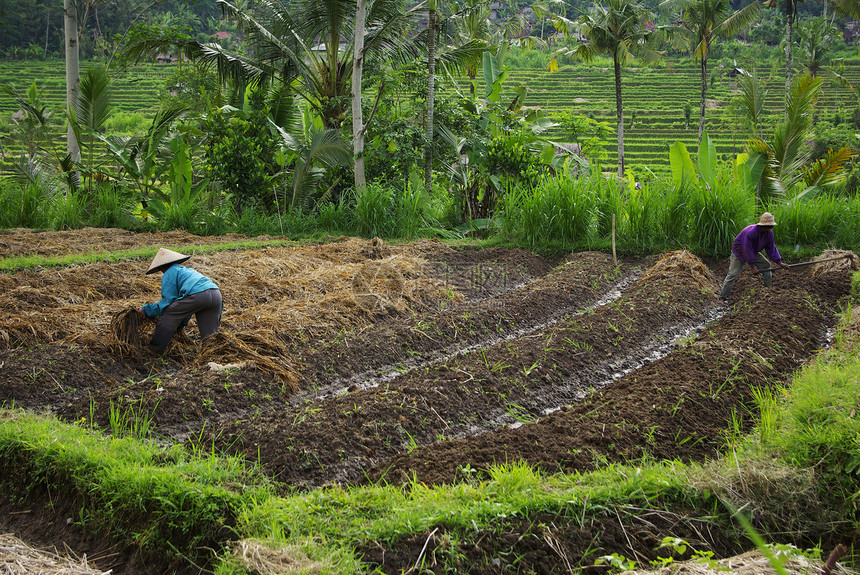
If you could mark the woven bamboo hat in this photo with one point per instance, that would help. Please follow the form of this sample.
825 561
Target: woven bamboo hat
767 219
165 257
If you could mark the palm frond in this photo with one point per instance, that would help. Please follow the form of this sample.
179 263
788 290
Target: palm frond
740 20
93 106
829 171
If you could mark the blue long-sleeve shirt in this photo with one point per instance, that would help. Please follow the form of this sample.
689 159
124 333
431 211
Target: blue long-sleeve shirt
752 240
176 283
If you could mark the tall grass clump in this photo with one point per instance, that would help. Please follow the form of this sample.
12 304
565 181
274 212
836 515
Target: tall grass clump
111 208
558 213
808 221
608 198
21 205
412 212
373 209
717 215
254 222
846 234
68 211
334 218
673 220
386 212
639 231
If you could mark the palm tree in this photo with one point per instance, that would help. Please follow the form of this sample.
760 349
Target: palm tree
786 157
431 92
703 21
305 45
618 28
752 99
816 44
464 53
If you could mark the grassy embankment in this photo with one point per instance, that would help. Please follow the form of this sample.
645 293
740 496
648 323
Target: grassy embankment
179 503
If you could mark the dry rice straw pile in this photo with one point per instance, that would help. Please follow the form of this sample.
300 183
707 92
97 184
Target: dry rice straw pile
851 262
273 298
17 558
682 263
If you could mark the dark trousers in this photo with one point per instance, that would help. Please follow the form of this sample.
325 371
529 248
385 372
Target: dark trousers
735 267
205 305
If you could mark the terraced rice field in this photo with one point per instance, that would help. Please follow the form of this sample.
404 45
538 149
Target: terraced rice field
657 96
372 362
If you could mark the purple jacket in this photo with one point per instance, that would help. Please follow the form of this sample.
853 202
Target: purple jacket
752 240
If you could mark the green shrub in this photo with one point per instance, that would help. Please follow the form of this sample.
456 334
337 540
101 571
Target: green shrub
126 123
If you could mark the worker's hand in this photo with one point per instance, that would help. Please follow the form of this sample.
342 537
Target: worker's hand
782 265
141 313
755 270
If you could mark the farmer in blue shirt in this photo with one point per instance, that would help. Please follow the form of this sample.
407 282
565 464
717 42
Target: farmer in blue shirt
747 248
184 292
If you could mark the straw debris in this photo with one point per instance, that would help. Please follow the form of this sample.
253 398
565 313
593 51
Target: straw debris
750 563
682 263
18 558
256 557
851 262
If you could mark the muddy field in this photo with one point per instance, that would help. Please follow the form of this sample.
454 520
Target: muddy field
360 361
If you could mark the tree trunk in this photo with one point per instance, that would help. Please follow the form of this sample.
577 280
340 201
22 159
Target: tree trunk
70 22
704 96
47 29
789 17
431 84
357 118
619 113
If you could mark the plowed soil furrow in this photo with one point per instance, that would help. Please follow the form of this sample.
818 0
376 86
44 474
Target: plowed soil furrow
681 406
335 438
392 347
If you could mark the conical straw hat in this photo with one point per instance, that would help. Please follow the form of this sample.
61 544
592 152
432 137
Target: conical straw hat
165 257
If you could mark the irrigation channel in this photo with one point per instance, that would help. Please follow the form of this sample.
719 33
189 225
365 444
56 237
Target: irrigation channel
356 361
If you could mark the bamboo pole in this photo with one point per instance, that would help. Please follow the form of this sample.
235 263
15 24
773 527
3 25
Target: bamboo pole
614 257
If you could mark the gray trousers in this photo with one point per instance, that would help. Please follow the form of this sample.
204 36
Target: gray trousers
206 305
735 267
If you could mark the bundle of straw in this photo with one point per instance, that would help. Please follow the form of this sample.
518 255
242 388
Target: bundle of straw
126 327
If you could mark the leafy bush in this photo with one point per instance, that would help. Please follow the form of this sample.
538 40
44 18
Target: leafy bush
240 152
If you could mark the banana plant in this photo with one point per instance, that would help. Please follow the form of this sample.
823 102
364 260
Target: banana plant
177 208
685 171
142 158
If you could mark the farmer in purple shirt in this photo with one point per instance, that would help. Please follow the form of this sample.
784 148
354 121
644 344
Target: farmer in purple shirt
747 250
